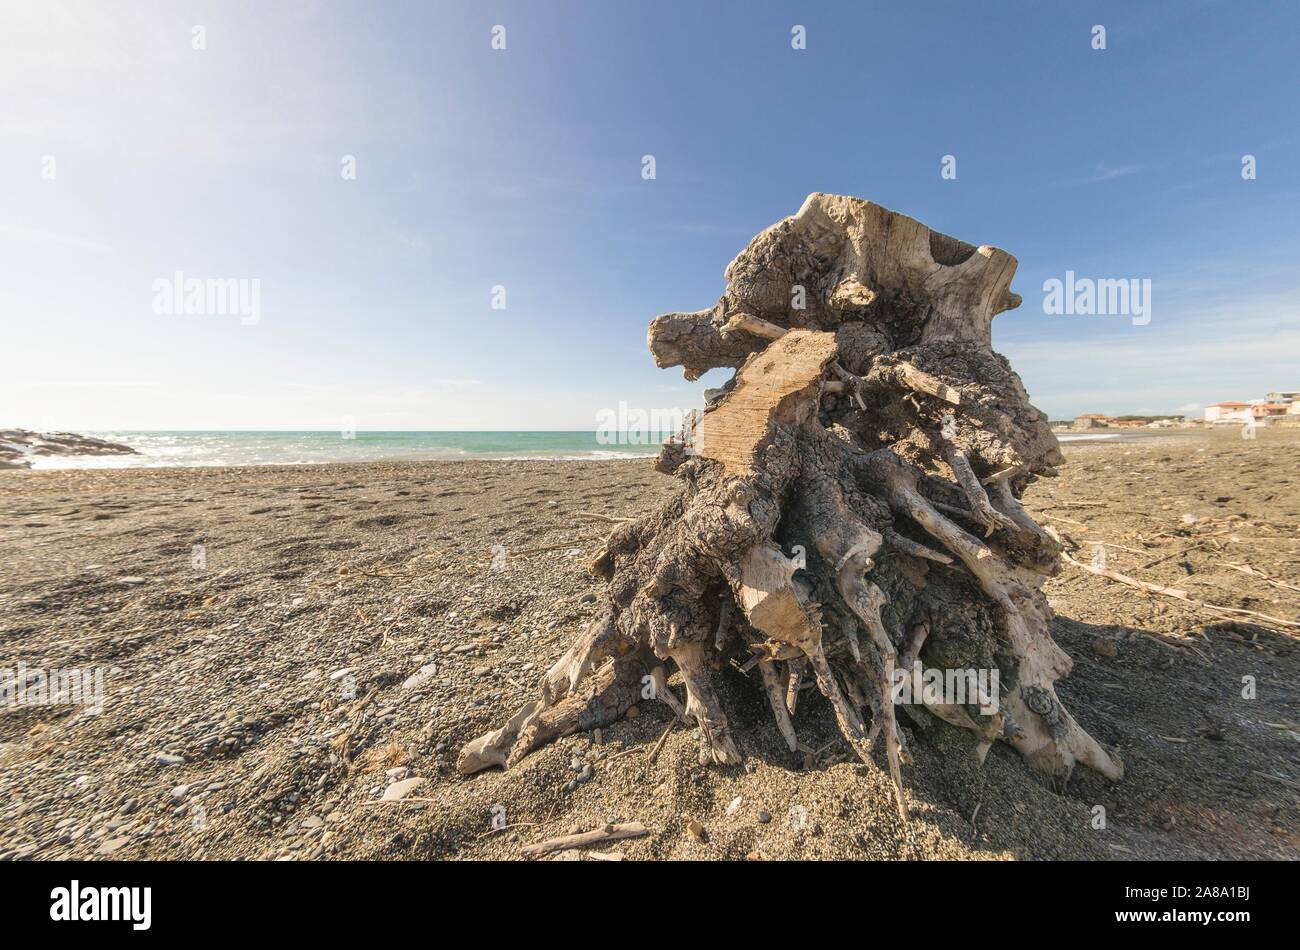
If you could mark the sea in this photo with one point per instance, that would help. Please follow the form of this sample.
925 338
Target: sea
199 449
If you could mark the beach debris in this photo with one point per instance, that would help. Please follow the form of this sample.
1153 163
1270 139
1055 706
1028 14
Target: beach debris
1178 594
849 497
601 517
1255 572
612 832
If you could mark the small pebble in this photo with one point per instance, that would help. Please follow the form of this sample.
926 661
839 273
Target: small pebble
399 790
1105 647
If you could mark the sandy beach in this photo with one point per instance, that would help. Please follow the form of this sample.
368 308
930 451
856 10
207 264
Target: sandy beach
278 644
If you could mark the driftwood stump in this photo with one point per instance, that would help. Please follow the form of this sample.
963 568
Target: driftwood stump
870 430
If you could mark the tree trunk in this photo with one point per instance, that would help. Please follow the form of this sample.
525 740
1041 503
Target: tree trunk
849 509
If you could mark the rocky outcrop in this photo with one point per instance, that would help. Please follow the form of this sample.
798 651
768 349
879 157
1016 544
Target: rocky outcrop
19 447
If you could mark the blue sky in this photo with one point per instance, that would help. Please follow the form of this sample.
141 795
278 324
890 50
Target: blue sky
521 167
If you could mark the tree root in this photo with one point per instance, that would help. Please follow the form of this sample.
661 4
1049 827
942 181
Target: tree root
862 476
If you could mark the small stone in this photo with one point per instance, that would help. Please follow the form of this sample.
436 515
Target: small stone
421 676
180 791
1105 647
696 830
764 817
632 712
113 844
167 758
339 674
733 806
399 790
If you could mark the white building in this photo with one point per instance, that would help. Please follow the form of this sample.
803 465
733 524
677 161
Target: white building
1239 412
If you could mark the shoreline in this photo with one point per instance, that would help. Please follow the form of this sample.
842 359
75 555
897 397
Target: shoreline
58 465
137 461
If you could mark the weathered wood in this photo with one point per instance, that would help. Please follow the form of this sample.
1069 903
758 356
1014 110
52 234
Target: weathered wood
868 412
767 596
631 829
776 386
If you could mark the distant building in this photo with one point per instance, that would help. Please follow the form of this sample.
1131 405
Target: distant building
1286 396
1091 420
1229 412
1263 411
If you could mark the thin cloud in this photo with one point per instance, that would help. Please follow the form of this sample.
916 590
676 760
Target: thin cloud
1104 172
26 235
1227 350
414 242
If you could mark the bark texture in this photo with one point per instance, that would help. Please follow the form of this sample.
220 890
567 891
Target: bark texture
871 430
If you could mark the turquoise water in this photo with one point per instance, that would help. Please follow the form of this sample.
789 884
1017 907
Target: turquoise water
191 449
196 449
